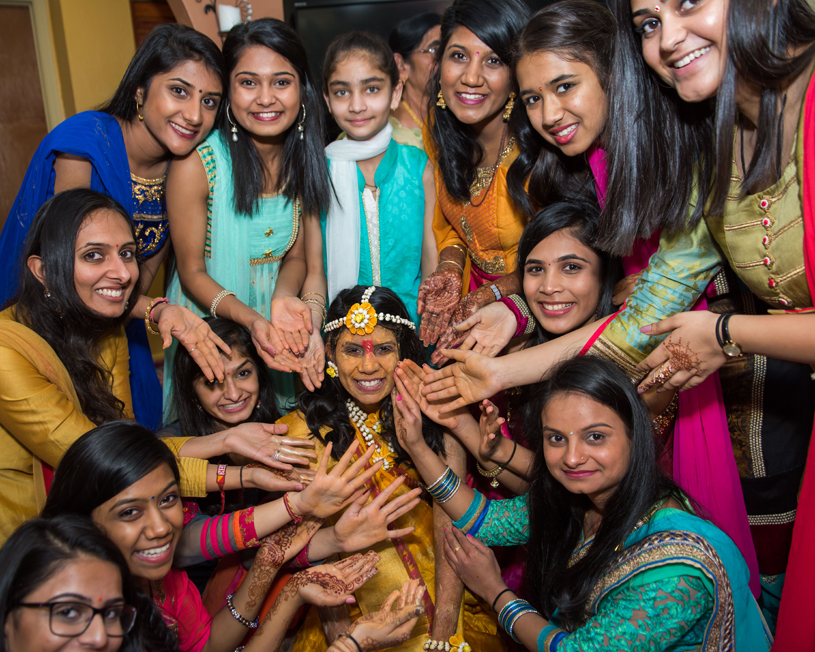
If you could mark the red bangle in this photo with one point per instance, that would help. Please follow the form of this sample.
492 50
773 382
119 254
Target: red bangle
155 303
302 557
220 479
295 519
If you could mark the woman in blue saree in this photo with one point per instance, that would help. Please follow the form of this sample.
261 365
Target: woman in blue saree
617 557
164 106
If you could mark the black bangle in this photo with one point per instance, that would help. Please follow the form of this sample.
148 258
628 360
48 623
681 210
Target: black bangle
719 330
514 448
353 640
496 599
241 477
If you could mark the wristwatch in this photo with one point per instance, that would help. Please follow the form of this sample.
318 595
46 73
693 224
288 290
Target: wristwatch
730 348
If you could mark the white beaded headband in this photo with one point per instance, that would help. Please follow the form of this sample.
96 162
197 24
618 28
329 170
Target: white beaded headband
362 317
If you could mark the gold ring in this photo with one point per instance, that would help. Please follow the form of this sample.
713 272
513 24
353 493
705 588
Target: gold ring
456 549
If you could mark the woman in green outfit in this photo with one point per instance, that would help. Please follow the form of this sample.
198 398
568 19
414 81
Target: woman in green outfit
617 557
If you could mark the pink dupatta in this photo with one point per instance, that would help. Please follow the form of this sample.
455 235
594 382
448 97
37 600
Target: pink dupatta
703 462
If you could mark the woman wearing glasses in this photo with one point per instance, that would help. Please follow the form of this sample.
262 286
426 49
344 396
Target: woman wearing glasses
414 42
56 576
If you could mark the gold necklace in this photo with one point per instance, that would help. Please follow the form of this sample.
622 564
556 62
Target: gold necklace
485 175
412 115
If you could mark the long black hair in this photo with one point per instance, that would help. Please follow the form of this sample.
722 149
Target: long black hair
326 406
165 47
370 45
192 419
580 218
56 312
103 463
556 515
303 170
495 22
577 30
653 145
41 547
408 34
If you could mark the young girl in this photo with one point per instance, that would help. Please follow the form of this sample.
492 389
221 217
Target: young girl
379 232
135 500
164 106
236 206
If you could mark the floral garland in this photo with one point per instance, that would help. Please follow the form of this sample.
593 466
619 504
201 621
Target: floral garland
367 424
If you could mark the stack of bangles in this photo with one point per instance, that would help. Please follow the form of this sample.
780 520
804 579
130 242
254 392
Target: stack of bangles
511 612
445 487
320 304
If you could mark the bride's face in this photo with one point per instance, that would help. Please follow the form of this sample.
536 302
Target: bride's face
366 364
685 42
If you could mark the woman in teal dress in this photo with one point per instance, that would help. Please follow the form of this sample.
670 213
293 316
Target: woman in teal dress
379 232
242 206
617 557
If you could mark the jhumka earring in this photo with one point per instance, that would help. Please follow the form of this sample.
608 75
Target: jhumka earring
509 106
441 103
234 126
141 117
300 124
332 369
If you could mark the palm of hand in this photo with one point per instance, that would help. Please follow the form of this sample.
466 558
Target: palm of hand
361 528
325 495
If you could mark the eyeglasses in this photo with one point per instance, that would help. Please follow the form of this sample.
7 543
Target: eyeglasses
432 50
73 618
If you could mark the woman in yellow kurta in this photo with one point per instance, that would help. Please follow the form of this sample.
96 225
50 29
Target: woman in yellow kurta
63 351
470 140
367 333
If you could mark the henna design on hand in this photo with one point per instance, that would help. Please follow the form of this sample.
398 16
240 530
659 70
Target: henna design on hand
441 292
268 561
682 357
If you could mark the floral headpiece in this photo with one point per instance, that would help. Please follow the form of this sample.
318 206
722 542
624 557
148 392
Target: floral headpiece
362 318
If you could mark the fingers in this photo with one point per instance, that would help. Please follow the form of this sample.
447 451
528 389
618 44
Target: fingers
678 380
387 492
354 470
389 601
402 511
342 465
362 478
407 399
291 441
219 342
657 357
658 376
397 503
468 323
323 464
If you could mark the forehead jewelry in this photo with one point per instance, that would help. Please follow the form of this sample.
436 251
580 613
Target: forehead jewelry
362 318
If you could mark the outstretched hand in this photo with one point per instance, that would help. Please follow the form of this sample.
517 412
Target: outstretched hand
451 337
413 379
264 443
364 525
195 335
474 563
474 378
439 295
392 624
330 585
292 320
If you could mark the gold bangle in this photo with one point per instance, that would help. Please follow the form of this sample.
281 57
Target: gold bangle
452 262
462 247
491 473
152 305
316 294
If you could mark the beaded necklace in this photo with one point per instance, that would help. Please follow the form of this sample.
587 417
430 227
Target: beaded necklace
367 424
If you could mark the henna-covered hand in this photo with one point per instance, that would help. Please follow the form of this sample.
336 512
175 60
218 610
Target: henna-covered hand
391 626
361 526
328 493
439 295
450 338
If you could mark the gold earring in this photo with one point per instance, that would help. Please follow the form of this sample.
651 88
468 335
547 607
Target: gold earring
509 106
441 103
234 129
300 124
141 117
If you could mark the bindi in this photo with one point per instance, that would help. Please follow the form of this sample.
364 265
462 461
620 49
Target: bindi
656 8
368 345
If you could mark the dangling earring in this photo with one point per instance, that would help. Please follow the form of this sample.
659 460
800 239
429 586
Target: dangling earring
47 293
332 369
200 409
141 117
234 126
441 103
509 106
300 124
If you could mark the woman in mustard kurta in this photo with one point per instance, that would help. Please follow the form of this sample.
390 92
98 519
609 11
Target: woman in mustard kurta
63 351
470 140
355 403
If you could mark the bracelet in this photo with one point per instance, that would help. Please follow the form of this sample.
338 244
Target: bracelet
730 348
302 557
445 487
514 448
496 292
489 473
452 262
459 246
220 478
251 624
241 478
352 639
511 612
553 637
316 294
295 519
218 298
526 321
148 314
498 596
436 645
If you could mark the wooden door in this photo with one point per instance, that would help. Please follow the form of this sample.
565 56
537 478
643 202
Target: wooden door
22 110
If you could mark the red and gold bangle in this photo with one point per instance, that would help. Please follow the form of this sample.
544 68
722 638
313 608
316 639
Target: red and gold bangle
220 478
148 314
295 519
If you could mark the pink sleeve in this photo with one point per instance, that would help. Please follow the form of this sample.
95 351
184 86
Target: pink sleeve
192 618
